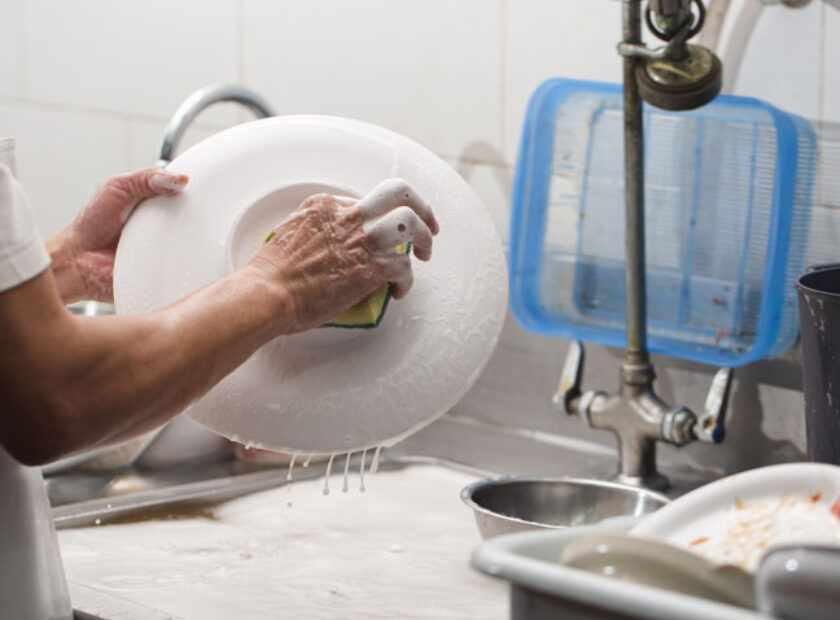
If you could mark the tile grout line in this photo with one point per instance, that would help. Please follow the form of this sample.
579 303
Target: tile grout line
503 85
240 41
128 141
822 63
97 113
21 47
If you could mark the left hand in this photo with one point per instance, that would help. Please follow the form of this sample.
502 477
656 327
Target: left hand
83 253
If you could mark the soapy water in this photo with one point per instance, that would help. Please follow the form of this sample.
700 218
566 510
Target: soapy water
401 551
346 472
327 475
362 472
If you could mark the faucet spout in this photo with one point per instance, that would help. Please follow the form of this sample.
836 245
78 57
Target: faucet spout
199 101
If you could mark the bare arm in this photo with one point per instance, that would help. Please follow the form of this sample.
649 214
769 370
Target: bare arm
68 383
73 382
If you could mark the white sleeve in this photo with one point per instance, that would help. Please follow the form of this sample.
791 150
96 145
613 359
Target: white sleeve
22 253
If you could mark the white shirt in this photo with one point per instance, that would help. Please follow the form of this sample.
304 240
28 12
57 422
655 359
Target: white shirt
22 253
32 584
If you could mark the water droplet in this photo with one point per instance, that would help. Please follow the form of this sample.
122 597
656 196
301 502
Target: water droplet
362 472
327 475
345 488
375 465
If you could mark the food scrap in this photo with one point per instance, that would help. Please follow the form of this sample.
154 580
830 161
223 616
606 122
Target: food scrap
835 508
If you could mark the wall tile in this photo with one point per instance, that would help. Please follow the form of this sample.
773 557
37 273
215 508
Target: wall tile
492 183
831 63
556 38
781 64
10 18
128 57
823 246
429 69
63 157
144 136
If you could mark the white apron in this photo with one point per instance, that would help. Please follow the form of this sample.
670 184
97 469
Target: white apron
32 584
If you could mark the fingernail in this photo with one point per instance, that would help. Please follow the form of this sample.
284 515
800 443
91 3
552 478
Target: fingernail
168 183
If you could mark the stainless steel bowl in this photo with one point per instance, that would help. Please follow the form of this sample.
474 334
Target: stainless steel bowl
507 505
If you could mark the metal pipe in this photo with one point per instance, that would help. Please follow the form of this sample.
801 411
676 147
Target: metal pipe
634 175
198 101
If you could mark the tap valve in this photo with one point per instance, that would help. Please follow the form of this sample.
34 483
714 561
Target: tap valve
568 394
710 426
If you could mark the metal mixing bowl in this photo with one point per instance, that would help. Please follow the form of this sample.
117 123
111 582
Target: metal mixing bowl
507 505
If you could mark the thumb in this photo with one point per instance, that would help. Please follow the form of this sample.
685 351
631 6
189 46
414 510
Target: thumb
149 182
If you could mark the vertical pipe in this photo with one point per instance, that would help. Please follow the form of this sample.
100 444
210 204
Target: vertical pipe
634 175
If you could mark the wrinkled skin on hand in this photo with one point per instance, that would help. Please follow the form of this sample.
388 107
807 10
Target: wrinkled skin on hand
83 253
332 252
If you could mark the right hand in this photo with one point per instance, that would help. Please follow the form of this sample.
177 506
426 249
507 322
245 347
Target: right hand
332 252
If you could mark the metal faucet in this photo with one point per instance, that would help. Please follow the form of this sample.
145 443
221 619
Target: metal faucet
200 100
637 416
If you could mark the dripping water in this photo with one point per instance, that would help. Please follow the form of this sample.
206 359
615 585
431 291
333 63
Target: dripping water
308 459
374 467
362 472
345 488
327 475
289 475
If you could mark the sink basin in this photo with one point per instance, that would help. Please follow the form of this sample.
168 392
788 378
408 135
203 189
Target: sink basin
508 505
189 496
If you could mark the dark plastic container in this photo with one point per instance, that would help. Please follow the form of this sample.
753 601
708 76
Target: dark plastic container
819 316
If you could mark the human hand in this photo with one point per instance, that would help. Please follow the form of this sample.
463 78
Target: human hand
83 253
332 252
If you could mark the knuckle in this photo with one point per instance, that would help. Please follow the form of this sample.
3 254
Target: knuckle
400 187
315 200
116 180
357 255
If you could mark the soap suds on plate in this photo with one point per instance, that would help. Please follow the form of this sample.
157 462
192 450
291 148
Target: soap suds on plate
401 550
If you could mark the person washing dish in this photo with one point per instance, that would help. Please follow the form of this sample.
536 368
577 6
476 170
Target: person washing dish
70 383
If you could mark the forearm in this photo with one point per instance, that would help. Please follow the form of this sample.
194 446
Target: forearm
104 379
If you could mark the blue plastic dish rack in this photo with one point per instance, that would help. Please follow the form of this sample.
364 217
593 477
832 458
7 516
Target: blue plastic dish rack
728 191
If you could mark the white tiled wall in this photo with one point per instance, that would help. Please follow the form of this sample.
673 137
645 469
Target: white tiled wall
88 85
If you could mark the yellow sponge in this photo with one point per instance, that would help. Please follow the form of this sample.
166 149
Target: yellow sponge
368 313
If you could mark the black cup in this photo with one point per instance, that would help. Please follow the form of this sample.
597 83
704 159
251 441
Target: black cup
819 318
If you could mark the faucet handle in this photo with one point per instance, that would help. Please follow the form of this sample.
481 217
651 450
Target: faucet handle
568 389
710 426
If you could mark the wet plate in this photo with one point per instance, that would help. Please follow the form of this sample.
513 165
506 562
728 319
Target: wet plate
328 390
736 519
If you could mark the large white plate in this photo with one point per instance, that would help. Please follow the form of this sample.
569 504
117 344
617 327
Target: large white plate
736 519
327 390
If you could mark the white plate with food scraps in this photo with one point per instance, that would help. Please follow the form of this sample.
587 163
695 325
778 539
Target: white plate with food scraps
733 521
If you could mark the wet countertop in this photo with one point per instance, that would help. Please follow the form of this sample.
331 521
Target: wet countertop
400 549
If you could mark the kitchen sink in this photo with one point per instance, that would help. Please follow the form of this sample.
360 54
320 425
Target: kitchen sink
229 539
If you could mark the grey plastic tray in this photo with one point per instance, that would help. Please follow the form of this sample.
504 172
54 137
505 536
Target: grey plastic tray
543 589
